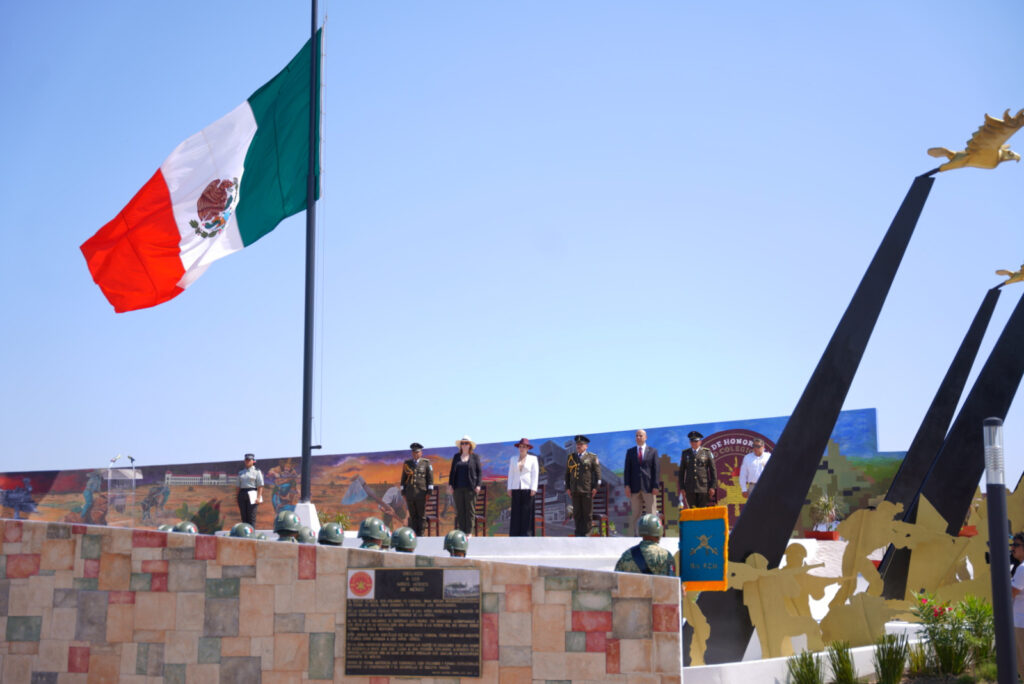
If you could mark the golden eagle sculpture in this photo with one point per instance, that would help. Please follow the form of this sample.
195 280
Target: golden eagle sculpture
987 148
1012 276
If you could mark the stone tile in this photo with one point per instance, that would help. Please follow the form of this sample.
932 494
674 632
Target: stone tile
58 531
321 655
149 660
519 598
515 629
104 668
117 540
91 568
509 573
633 585
175 673
550 667
44 678
592 600
209 650
149 636
548 628
24 628
206 547
16 668
91 620
596 642
69 678
12 531
665 617
489 636
91 546
576 642
172 553
592 621
289 623
158 581
291 652
365 558
154 566
57 554
640 678
560 583
65 598
53 655
515 675
256 610
320 622
202 674
221 618
222 588
181 647
297 597
235 646
631 619
424 561
276 570
186 575
584 666
140 581
115 571
489 602
666 590
307 562
667 653
177 540
515 656
62 622
39 593
635 655
331 561
235 551
23 648
263 648
155 611
5 592
238 571
140 556
296 678
190 607
152 539
86 583
21 565
121 597
597 580
120 623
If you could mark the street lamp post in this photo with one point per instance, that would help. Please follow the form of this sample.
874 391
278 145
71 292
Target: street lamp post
1002 600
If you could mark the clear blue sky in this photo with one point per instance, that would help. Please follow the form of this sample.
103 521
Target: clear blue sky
538 219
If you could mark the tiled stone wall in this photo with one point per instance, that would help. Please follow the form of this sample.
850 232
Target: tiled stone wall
96 604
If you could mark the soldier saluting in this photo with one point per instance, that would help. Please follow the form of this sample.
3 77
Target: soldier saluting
417 480
582 478
697 476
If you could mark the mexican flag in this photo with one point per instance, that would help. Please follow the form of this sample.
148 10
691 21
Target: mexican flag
219 191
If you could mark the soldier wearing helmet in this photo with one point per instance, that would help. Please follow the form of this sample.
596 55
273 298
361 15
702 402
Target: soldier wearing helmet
648 557
186 526
306 535
404 540
243 530
287 526
372 532
331 534
456 543
166 527
385 542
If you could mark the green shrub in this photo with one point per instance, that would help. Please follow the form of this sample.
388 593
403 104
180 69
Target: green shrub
841 661
945 627
890 658
981 629
986 671
805 668
919 662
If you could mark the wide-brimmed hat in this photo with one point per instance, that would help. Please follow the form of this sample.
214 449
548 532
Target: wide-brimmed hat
581 439
523 442
466 438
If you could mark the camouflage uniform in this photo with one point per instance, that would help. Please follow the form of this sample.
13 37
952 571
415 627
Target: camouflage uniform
697 477
417 480
659 560
582 477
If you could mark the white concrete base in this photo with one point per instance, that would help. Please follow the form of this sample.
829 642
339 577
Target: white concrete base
308 517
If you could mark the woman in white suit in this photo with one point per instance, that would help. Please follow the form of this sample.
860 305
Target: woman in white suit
523 476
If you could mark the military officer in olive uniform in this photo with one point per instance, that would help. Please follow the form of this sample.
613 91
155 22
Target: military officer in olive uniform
417 480
697 477
648 557
582 478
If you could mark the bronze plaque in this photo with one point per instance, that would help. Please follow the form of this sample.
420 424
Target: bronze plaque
413 622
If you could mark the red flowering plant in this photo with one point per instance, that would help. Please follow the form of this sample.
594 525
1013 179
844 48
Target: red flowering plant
944 626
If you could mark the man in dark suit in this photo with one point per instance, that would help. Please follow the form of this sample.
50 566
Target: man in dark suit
641 478
697 476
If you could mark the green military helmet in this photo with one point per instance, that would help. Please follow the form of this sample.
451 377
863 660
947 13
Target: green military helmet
372 529
456 541
650 526
166 527
261 536
385 542
186 526
404 539
287 522
331 534
243 530
306 535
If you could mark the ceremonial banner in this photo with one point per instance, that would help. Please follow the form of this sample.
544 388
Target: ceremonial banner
704 548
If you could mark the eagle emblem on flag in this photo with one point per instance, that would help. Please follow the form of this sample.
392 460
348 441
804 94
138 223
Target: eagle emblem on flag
214 207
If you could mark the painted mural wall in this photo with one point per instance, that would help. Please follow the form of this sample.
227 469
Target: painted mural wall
364 484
